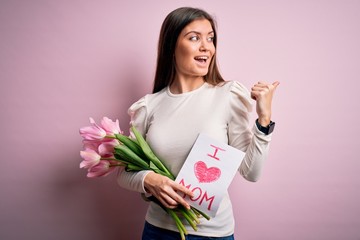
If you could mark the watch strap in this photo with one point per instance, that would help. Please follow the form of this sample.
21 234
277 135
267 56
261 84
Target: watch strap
266 130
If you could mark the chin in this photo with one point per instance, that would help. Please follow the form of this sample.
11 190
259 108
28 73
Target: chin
202 73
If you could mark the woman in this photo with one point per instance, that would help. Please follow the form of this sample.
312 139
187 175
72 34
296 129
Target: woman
191 97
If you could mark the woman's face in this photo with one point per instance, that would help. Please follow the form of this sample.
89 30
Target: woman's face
194 49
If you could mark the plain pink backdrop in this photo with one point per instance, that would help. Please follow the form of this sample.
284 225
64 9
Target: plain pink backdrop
64 61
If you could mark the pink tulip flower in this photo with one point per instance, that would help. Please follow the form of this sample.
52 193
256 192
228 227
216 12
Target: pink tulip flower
93 132
101 169
91 144
106 149
110 126
91 158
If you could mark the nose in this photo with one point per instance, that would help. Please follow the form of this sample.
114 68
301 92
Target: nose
205 45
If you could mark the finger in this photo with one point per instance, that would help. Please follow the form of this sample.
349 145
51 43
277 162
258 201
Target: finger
181 188
170 201
260 84
253 96
258 88
275 84
259 92
166 203
180 200
262 87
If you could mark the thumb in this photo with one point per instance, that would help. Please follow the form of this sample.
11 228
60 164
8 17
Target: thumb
275 84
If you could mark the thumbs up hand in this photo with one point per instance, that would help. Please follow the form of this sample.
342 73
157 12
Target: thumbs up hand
263 93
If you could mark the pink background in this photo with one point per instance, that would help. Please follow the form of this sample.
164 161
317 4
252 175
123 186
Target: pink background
63 61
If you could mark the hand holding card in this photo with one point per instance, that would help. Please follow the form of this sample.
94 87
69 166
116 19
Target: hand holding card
208 171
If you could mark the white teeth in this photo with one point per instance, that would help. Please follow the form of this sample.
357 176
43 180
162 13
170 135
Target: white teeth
202 58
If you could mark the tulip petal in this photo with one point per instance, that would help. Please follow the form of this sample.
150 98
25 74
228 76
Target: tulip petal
110 126
101 169
106 149
93 132
91 158
91 144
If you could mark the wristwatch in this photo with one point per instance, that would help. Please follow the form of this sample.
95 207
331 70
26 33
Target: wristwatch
266 130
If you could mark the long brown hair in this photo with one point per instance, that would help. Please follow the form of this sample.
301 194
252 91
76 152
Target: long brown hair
171 28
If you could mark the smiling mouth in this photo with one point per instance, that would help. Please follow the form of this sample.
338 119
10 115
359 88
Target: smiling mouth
202 59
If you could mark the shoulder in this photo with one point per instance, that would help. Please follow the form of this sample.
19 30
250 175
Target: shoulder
233 87
147 101
238 94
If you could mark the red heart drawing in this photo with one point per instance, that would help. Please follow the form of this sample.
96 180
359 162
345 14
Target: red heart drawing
205 174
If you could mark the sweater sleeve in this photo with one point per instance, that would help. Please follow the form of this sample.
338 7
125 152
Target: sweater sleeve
252 141
135 180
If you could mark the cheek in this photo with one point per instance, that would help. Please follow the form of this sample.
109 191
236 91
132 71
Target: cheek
212 53
183 53
212 50
188 51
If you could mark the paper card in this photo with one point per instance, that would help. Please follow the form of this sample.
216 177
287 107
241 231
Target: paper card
208 171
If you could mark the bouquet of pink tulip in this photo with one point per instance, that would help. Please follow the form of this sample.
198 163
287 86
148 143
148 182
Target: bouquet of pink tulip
106 148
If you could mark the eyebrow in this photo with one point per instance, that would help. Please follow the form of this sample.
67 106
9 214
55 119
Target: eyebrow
199 33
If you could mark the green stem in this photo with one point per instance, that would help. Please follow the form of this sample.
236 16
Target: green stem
188 218
117 165
132 167
200 213
109 159
131 144
180 226
110 136
162 173
193 215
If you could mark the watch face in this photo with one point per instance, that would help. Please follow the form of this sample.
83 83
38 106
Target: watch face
271 127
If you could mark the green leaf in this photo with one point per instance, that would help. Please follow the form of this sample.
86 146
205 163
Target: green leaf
132 145
149 153
125 153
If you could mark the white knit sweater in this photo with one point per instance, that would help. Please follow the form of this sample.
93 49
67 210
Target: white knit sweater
171 124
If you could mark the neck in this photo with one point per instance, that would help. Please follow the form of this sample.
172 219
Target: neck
182 85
